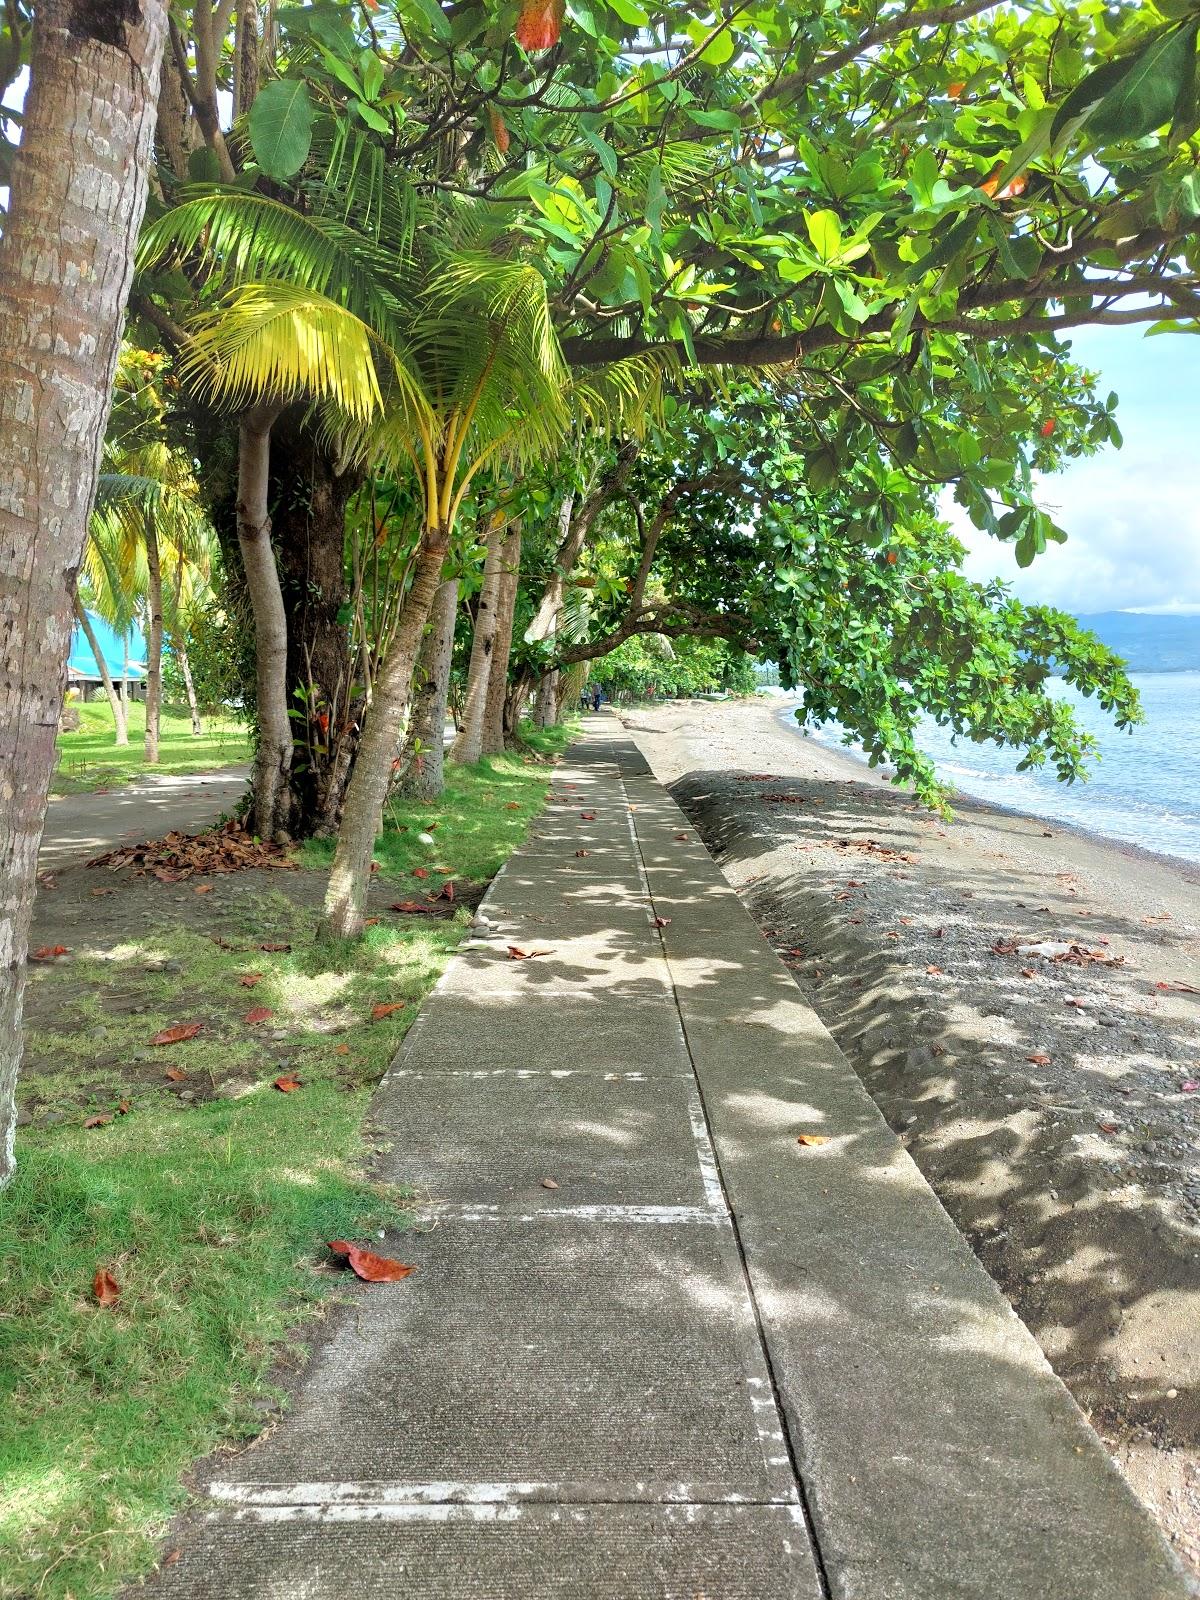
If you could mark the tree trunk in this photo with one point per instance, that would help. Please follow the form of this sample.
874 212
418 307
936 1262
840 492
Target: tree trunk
546 711
66 260
378 749
185 672
492 737
310 496
424 762
154 643
120 721
245 60
468 746
273 757
179 645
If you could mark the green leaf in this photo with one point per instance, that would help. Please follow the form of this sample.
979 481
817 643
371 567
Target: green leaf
281 127
628 12
203 166
1131 96
825 231
608 156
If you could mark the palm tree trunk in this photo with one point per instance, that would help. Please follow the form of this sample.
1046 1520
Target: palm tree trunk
468 746
120 721
179 645
378 750
185 672
154 644
273 757
492 737
424 748
77 195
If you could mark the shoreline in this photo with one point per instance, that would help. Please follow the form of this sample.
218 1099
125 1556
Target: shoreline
1051 1097
963 801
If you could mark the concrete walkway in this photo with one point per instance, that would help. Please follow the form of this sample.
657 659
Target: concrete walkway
655 1348
82 825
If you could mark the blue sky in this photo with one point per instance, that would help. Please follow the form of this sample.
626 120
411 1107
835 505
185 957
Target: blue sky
1132 515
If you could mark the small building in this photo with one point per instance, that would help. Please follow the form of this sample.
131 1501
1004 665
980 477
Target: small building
124 657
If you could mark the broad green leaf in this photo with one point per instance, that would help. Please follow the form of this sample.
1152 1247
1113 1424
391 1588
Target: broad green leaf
825 231
281 127
628 12
1131 96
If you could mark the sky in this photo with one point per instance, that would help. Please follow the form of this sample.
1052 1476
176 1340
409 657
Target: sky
1132 515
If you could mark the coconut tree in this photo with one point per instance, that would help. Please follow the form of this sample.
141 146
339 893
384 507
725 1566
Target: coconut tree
430 347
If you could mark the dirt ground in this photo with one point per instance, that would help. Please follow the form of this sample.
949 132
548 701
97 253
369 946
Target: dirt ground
1050 1094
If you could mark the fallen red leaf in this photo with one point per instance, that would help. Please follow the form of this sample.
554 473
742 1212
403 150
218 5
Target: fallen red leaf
934 971
250 979
97 1122
1039 1059
515 953
124 1108
274 948
176 1074
384 1008
1028 972
411 907
661 922
588 816
259 1014
50 952
177 1034
341 1050
1189 1087
368 1266
202 888
420 872
812 1138
1109 1127
286 1084
682 836
1178 988
448 889
105 1288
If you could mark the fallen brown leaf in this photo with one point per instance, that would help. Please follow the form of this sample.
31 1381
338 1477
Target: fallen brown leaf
175 1074
259 1014
549 1183
96 1122
512 805
341 1050
1039 1058
662 922
420 872
105 1288
515 953
812 1138
934 971
202 888
274 949
177 1034
384 1008
1109 1127
250 979
368 1266
410 907
286 1084
583 852
588 816
123 1109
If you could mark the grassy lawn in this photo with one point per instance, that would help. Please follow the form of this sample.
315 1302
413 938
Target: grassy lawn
88 759
209 1197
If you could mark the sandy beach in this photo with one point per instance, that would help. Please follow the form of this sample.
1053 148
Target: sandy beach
1023 1002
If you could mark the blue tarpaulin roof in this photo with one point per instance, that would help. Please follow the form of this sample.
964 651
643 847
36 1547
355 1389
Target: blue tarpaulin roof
82 662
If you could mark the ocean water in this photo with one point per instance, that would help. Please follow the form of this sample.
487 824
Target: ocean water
1145 789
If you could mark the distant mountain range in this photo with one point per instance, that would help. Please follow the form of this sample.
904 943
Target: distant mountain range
1150 642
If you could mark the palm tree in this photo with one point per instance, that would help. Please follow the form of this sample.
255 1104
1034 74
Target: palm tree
435 349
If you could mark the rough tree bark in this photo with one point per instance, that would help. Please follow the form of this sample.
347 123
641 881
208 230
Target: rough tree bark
273 757
424 749
492 733
154 644
378 749
120 720
310 493
468 746
66 260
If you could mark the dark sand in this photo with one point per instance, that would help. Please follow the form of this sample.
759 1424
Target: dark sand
1077 1178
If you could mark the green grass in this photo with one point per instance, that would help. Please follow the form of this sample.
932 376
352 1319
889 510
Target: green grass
88 759
211 1214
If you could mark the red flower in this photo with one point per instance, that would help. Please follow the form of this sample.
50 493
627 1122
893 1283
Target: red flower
539 23
499 131
1048 427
